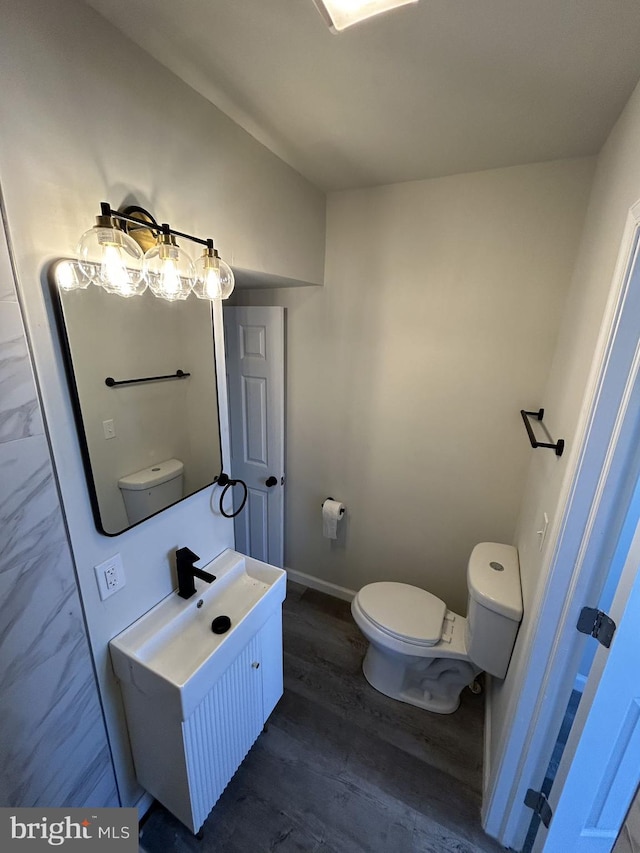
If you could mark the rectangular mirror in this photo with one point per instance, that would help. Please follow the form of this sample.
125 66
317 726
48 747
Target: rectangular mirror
147 442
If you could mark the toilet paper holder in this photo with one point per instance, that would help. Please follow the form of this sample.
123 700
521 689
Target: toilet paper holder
330 499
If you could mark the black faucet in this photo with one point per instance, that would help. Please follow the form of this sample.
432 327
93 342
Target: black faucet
185 558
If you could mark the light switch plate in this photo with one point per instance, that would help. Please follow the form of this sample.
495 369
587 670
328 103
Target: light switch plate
542 533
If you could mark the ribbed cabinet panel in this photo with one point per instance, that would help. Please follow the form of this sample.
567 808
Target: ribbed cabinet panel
222 729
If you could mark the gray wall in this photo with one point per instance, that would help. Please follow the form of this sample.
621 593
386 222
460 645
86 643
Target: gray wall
53 744
407 371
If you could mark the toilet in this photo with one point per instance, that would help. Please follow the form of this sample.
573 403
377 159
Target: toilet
148 491
423 654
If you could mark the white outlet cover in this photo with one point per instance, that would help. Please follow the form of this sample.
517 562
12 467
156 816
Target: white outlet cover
114 566
109 428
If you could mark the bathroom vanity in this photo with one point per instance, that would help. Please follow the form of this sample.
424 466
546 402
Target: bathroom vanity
196 700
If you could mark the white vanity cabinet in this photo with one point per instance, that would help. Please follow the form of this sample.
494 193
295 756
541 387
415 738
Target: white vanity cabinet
187 743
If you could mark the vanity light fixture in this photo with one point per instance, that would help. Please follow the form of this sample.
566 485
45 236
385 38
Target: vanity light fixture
340 14
110 255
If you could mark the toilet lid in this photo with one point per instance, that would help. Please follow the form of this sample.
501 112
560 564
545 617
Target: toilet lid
406 611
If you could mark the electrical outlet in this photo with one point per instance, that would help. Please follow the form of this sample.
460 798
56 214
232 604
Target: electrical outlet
110 576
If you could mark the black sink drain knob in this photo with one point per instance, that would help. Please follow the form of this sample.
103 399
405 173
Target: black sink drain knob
221 625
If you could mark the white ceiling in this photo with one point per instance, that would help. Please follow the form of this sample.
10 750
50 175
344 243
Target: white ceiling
442 87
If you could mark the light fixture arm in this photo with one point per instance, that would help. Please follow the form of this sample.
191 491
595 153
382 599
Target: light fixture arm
107 210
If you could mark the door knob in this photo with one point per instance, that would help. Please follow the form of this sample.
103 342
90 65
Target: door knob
271 481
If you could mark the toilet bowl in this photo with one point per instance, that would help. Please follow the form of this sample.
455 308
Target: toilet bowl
424 654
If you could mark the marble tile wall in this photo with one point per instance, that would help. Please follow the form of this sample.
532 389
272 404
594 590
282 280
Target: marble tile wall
53 743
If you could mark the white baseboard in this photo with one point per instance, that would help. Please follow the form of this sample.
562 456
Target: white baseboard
322 586
144 804
486 758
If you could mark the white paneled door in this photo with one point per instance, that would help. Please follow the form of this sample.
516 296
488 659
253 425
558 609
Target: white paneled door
601 763
254 339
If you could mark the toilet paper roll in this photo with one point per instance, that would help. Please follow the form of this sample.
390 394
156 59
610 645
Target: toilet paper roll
332 513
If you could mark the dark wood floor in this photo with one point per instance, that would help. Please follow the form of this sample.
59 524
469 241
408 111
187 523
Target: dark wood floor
341 767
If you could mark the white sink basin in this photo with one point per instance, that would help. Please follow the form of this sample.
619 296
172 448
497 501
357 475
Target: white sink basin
171 651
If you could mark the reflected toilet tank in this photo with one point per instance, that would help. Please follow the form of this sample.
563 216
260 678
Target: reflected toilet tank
148 491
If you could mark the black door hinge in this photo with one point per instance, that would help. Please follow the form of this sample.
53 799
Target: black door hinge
537 801
597 624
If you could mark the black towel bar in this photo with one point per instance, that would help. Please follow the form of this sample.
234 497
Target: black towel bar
558 446
111 382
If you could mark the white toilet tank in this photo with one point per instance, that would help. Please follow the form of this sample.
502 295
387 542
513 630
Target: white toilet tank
148 491
494 606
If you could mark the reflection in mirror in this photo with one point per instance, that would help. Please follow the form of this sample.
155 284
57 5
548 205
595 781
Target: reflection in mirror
147 444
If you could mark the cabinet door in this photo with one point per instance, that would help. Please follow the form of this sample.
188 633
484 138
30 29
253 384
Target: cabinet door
222 729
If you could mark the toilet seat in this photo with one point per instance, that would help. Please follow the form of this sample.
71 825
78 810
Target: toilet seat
404 612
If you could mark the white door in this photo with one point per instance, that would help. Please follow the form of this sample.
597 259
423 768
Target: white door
254 339
601 763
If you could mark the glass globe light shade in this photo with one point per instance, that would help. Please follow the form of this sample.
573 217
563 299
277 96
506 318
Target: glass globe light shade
111 258
168 270
69 276
227 280
215 279
207 284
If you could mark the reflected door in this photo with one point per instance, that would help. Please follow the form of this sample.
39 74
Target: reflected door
254 339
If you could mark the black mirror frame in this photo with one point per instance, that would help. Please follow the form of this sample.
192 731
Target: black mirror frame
63 337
